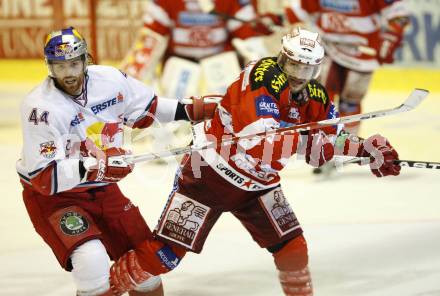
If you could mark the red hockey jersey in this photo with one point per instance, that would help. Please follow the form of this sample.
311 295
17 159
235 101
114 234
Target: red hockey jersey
260 100
347 26
195 34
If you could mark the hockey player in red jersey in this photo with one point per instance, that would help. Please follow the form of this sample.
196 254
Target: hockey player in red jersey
185 33
76 112
359 36
191 40
243 178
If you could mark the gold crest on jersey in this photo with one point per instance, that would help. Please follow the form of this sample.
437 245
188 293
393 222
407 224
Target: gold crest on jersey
48 149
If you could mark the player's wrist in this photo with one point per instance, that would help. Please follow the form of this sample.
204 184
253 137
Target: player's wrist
181 113
201 108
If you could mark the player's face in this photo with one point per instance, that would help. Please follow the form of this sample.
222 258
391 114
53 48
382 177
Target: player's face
296 84
298 74
69 75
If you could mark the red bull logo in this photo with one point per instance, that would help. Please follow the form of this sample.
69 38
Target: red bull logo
48 149
104 134
63 49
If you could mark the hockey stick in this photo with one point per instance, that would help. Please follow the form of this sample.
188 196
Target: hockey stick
414 99
401 162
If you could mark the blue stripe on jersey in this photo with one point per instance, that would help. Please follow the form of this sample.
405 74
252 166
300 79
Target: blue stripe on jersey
54 178
197 19
24 178
34 172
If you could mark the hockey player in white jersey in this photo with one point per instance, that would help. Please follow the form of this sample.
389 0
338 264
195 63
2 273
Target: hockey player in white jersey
77 111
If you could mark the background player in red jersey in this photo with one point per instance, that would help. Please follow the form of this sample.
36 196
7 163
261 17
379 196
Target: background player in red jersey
77 112
243 178
186 36
191 40
359 36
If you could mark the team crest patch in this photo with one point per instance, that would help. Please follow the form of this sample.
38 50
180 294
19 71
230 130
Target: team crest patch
183 220
293 113
73 223
279 211
48 149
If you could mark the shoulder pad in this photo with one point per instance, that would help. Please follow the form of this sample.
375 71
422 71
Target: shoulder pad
317 92
267 73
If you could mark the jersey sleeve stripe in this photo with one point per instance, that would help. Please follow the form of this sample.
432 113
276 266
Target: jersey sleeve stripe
25 179
147 117
35 172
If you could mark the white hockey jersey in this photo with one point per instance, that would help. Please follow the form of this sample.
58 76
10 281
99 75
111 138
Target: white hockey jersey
55 125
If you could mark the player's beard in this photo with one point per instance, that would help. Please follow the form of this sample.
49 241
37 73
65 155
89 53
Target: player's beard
72 85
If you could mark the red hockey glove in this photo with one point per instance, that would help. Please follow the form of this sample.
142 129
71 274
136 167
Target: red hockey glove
202 108
382 155
389 42
391 39
319 149
110 167
126 274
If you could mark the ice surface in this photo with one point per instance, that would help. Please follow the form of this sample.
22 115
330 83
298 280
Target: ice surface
366 236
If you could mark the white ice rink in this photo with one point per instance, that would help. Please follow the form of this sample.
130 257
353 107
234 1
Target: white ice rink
366 236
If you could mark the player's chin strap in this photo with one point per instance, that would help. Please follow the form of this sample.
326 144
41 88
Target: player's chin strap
414 99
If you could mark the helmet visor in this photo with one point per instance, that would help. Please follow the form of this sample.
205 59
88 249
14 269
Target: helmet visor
70 68
296 69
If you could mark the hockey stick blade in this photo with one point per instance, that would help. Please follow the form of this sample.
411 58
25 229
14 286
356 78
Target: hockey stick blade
413 100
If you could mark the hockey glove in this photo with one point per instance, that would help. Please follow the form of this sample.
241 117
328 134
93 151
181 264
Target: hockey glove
111 166
390 40
319 149
201 108
382 156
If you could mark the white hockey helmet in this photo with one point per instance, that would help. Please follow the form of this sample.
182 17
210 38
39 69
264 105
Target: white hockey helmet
301 55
